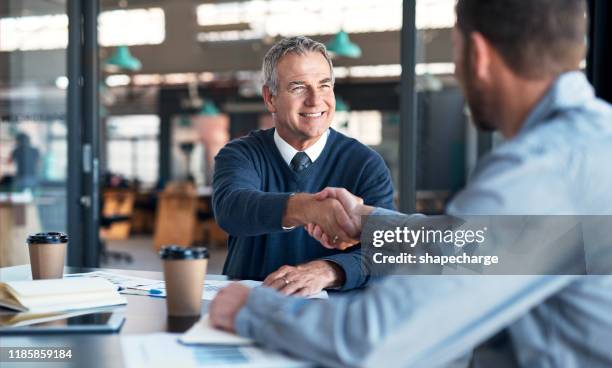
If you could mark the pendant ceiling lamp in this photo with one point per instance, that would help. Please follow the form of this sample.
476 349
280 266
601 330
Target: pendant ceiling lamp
123 60
342 113
209 109
342 45
341 105
185 121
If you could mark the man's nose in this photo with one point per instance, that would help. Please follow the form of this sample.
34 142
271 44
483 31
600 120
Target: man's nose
313 97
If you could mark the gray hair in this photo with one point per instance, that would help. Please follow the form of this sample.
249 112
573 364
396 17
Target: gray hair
298 45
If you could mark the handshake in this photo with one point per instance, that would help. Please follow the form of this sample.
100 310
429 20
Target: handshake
332 216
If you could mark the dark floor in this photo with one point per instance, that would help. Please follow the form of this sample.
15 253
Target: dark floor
145 257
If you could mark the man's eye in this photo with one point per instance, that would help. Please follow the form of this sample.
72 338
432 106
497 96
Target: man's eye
297 89
325 86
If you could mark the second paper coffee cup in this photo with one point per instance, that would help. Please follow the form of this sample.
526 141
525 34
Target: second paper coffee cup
184 272
47 254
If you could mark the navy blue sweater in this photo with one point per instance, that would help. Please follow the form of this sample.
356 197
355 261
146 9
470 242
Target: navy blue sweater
251 186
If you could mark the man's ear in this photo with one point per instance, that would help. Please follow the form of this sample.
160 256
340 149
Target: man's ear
481 54
269 98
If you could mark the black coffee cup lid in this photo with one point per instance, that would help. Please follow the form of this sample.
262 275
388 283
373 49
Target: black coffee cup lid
171 252
48 238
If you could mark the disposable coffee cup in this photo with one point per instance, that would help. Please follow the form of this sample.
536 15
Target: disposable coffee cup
47 255
184 272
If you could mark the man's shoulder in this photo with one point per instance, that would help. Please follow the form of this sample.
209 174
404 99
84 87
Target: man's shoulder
557 167
568 129
254 138
255 141
351 147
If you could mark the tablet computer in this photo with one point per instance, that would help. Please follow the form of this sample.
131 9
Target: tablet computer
100 321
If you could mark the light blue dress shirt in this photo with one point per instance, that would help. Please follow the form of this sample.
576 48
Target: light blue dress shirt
559 163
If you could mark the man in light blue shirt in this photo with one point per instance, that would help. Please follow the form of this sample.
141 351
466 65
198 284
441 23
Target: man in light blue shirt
517 63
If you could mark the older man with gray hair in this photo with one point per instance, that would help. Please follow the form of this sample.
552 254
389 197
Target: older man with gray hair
263 183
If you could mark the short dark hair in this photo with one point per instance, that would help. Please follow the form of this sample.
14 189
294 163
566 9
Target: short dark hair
535 38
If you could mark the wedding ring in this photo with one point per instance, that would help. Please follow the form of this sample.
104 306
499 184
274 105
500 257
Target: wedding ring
286 281
335 239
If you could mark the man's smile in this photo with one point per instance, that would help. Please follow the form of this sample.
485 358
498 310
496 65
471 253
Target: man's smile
312 114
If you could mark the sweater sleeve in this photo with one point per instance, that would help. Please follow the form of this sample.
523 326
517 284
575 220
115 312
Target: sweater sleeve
241 208
376 189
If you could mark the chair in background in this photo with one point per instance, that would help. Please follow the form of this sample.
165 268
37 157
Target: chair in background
207 232
117 210
176 215
143 220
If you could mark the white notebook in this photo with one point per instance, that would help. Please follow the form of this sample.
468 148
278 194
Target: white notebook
45 296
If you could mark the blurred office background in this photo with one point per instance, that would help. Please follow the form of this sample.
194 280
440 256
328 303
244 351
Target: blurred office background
122 161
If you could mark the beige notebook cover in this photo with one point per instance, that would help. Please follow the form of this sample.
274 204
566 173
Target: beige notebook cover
46 296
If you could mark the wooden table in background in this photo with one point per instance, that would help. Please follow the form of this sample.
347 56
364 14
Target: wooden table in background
18 220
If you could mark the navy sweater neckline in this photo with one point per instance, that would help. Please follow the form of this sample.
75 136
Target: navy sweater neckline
305 173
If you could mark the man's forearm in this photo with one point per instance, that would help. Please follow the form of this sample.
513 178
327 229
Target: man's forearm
306 327
344 331
297 211
248 212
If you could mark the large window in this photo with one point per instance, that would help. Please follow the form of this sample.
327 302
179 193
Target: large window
33 131
226 21
444 136
117 27
365 126
132 147
47 135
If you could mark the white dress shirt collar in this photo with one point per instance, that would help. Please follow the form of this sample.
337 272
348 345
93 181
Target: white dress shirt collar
287 151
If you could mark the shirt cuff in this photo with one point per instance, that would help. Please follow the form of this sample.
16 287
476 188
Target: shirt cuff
247 320
379 211
289 228
241 322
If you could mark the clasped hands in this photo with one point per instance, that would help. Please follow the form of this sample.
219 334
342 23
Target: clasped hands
337 220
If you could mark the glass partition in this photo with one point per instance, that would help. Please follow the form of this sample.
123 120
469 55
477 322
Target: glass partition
33 130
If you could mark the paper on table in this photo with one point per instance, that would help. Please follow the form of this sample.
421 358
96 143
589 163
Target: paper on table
204 333
212 287
164 350
123 281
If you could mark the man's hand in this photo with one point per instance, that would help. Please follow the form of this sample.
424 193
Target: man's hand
307 279
226 305
353 206
328 242
328 213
